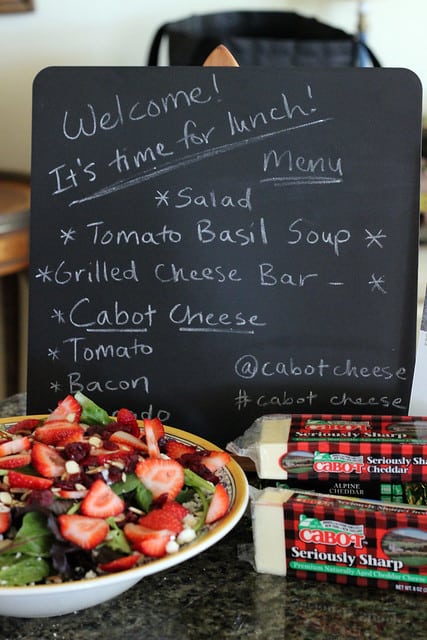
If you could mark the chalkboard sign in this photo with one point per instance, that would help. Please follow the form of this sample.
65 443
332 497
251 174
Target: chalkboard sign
213 244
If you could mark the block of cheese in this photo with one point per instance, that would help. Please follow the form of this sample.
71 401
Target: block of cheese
341 454
343 540
265 443
269 531
272 444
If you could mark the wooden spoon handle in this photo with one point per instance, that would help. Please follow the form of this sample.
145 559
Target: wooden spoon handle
220 57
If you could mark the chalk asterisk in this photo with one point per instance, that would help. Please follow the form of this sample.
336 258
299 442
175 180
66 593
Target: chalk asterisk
376 283
162 197
67 235
53 354
55 386
374 238
58 315
45 274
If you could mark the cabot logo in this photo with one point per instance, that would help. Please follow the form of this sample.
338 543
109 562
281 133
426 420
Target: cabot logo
337 463
330 532
342 427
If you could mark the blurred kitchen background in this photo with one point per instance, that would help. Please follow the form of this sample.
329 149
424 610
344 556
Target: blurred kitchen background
43 33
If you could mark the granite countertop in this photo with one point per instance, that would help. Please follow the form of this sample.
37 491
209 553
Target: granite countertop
218 594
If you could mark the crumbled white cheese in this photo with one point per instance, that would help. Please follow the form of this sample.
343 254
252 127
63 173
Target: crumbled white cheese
186 535
172 546
190 520
90 574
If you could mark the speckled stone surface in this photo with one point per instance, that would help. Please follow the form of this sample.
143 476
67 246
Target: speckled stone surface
219 595
14 406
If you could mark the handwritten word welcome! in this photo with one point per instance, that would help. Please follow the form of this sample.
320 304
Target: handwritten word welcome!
95 120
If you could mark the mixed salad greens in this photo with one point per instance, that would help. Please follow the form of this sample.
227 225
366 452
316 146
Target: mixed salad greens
83 494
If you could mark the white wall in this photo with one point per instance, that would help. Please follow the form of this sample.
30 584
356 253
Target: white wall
118 32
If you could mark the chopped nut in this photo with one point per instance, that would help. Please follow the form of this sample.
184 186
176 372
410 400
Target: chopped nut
95 470
72 466
135 510
5 497
54 580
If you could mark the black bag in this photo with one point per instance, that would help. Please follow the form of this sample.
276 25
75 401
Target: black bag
260 38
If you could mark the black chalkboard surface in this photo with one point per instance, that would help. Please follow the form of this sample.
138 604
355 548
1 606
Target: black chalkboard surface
213 244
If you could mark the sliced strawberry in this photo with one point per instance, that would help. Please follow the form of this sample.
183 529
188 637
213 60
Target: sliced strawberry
161 476
151 430
129 440
24 426
120 564
16 445
126 418
135 533
219 504
214 460
159 519
47 461
59 432
155 426
102 456
68 409
84 532
15 460
175 449
72 494
5 518
101 501
26 481
154 545
148 541
175 508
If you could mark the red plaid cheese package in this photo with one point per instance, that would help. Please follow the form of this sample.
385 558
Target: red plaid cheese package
378 457
340 540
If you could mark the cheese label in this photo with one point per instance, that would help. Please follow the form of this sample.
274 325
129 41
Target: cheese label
341 452
377 448
362 540
344 540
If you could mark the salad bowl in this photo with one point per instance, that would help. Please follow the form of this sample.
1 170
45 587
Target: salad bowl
46 600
